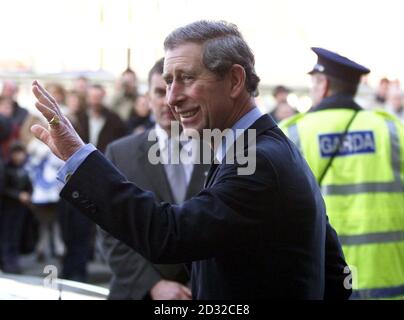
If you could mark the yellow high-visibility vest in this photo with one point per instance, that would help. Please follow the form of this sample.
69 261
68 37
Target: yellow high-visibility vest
363 190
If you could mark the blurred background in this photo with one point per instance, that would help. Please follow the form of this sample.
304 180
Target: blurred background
99 38
99 52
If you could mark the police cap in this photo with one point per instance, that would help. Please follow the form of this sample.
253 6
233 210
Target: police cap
335 65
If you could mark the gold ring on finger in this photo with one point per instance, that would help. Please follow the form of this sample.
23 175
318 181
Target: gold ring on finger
54 121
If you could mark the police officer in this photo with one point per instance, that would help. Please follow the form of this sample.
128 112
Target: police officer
357 157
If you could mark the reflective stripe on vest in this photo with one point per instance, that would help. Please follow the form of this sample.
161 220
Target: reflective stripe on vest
380 237
378 293
293 134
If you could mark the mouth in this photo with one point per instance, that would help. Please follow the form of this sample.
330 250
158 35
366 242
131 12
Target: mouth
188 114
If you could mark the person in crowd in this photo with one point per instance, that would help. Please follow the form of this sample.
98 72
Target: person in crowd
126 94
43 167
382 91
280 94
11 128
140 118
394 102
81 85
282 108
282 111
16 197
10 91
76 104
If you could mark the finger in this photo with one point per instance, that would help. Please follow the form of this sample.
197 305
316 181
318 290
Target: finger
46 112
45 92
45 97
41 133
41 97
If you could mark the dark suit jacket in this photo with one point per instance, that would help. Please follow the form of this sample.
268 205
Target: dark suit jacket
250 237
132 275
114 128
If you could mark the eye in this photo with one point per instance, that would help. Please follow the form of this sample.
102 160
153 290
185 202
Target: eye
168 81
187 77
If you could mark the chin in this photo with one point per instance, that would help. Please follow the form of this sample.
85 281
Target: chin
192 131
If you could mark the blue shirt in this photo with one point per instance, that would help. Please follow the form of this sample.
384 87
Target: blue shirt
80 155
74 162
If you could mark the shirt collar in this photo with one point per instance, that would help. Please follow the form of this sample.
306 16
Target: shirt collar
237 129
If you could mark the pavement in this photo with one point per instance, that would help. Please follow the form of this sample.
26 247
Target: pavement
98 271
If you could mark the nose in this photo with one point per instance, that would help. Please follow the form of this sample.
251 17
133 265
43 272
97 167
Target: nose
175 94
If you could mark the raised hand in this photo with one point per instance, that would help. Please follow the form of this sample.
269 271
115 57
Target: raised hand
60 135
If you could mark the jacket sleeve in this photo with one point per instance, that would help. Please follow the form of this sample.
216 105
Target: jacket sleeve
202 227
132 275
337 272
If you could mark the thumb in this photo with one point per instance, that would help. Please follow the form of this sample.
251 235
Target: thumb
41 133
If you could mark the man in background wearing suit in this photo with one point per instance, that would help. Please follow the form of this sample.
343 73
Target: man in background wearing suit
257 235
133 277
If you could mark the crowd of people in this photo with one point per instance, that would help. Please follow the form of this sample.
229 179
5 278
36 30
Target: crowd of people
32 216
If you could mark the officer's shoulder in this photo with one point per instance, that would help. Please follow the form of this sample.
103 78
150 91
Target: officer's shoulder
384 114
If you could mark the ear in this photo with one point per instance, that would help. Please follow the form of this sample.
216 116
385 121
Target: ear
237 80
326 87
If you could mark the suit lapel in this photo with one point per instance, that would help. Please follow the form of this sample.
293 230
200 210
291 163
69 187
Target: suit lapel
211 174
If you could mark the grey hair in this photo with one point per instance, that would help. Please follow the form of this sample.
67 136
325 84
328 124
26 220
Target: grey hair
223 46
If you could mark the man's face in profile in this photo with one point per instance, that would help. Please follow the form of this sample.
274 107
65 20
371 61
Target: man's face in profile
197 97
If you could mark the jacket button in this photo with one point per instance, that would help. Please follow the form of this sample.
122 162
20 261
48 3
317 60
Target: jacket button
75 195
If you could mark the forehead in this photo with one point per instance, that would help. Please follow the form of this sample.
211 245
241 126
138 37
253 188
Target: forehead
182 58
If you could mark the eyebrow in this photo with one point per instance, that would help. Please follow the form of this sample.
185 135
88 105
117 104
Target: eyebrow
166 76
